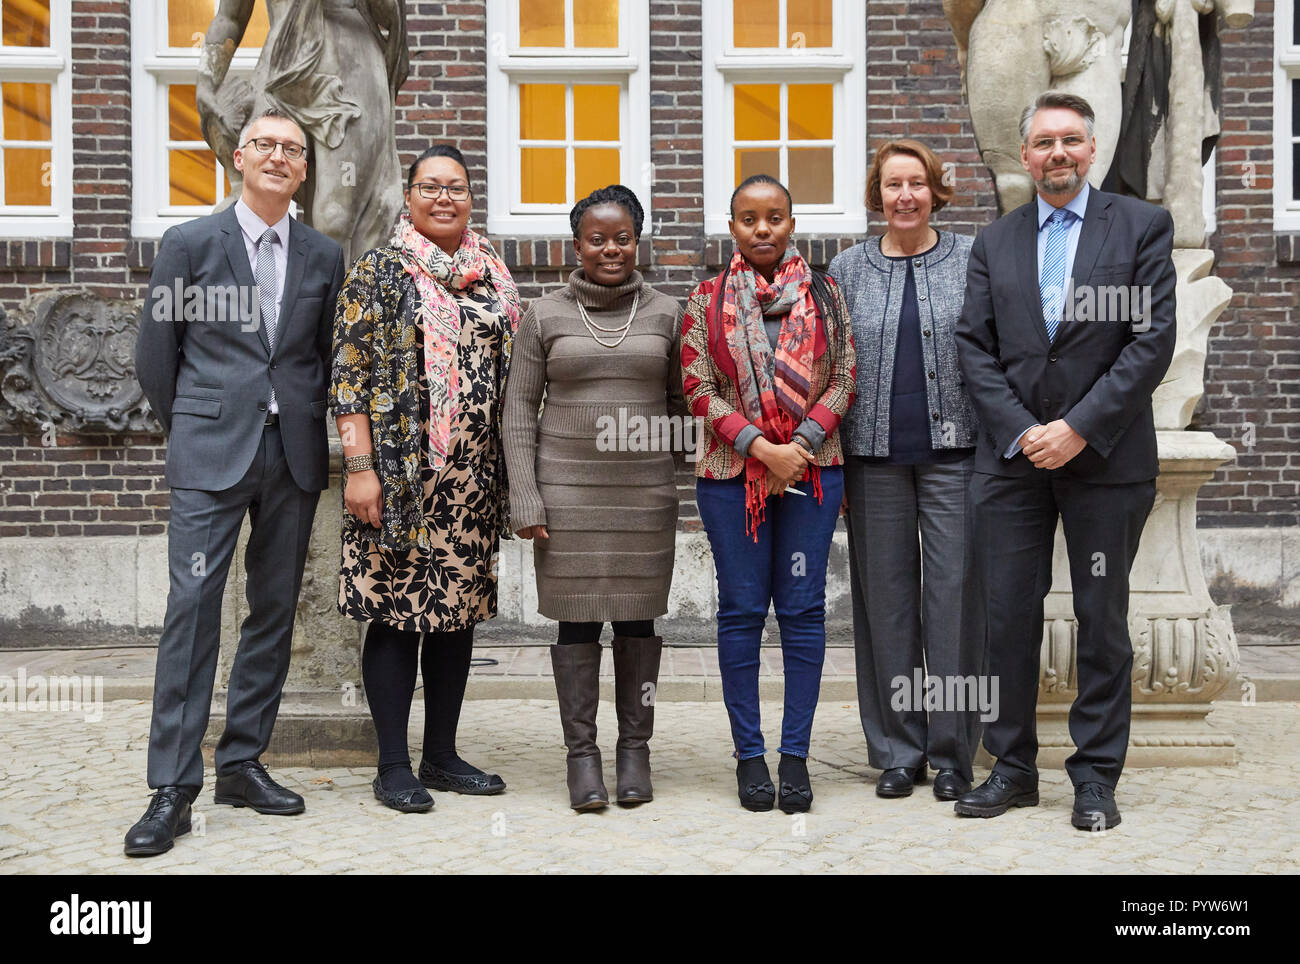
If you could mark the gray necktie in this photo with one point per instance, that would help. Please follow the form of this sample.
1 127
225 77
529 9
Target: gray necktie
264 275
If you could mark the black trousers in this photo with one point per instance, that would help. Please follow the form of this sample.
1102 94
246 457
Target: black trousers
1015 527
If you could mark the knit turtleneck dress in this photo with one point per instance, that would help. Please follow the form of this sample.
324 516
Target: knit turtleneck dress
603 487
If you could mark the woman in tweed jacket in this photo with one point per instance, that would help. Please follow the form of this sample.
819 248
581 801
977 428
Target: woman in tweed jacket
767 354
910 440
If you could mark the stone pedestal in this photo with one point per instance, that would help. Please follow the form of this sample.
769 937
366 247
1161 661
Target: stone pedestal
1184 648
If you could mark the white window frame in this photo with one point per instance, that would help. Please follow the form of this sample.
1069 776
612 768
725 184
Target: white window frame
153 69
46 65
843 65
509 65
1286 63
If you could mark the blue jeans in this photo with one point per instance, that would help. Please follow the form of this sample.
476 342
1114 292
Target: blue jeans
786 568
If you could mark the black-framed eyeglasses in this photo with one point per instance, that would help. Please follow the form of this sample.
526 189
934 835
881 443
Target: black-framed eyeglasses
431 192
265 145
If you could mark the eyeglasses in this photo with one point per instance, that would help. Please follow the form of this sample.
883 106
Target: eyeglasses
431 192
265 145
1045 145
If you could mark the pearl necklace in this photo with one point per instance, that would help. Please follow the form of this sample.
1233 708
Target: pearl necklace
621 330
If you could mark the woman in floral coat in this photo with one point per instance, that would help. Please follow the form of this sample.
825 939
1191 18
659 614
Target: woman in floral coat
421 349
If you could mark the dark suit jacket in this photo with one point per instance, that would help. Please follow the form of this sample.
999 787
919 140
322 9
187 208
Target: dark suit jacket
204 362
1099 372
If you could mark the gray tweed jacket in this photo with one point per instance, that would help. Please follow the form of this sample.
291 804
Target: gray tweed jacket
873 287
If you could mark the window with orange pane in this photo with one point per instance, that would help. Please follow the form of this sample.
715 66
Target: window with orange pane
569 140
788 24
26 112
568 23
787 130
193 176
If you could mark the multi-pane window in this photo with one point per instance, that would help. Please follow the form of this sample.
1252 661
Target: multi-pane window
35 119
568 108
177 176
1286 117
785 95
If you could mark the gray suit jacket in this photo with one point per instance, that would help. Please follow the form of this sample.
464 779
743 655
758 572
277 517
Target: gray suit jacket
1101 369
204 362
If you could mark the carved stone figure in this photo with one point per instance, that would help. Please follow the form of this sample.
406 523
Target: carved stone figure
1013 50
1171 106
335 67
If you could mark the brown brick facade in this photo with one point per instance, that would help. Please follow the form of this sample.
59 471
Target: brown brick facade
113 485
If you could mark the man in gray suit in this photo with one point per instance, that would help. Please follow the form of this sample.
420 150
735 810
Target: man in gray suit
233 354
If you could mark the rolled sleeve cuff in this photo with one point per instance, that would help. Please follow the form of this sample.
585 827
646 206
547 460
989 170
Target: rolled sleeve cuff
745 439
813 433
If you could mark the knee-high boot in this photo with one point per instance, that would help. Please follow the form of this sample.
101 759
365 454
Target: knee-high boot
636 681
577 686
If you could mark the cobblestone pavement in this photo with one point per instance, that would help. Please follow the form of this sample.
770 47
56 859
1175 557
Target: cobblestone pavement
70 788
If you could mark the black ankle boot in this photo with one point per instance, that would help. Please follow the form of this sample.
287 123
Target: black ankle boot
754 784
795 794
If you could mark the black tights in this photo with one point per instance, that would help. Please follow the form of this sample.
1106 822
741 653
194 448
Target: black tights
388 664
570 633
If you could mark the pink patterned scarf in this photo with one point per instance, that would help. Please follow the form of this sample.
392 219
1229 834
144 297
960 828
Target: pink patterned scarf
436 275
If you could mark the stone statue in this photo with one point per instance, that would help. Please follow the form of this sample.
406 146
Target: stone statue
335 67
1171 106
1013 50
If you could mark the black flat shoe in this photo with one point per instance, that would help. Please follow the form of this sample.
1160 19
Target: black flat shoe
994 797
898 781
795 795
474 784
166 818
949 785
754 785
415 800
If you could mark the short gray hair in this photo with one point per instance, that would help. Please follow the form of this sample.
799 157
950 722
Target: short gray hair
269 112
1057 98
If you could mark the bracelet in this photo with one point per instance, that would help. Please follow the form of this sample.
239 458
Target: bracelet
359 463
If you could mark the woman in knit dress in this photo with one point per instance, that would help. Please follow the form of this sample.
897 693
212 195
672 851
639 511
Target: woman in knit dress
598 501
421 348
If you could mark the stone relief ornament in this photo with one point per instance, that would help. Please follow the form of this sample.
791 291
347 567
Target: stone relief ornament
67 361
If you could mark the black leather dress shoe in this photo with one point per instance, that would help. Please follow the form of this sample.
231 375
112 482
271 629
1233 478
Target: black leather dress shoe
949 785
1094 807
415 800
475 784
993 797
898 781
251 786
166 818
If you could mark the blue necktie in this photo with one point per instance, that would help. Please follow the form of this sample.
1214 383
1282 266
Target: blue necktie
1051 276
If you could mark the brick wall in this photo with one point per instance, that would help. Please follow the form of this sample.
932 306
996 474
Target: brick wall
913 89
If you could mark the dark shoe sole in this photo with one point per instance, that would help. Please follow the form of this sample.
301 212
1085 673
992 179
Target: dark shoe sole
271 811
430 783
792 807
973 810
1083 821
892 794
588 805
634 799
400 807
181 830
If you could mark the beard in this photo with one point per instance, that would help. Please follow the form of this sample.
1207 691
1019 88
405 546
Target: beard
1071 184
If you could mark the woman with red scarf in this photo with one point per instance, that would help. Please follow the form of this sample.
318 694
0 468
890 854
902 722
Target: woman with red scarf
767 358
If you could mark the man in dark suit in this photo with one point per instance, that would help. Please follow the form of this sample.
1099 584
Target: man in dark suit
1067 329
233 354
